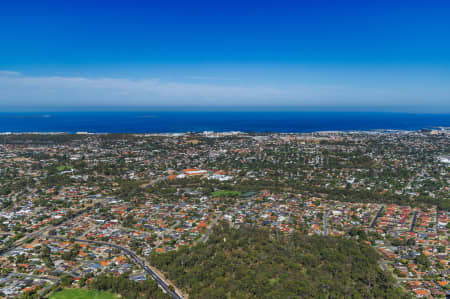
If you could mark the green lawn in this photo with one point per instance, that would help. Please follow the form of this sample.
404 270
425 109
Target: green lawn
226 193
82 294
62 167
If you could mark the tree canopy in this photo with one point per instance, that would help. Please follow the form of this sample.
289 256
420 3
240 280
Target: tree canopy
252 262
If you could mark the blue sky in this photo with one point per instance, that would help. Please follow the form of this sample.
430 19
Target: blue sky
366 55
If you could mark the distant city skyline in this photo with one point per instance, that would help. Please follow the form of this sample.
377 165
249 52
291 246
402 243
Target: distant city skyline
301 55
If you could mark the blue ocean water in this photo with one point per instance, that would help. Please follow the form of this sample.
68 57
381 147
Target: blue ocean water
163 122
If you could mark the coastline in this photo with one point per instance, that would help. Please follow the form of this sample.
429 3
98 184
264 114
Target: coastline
148 122
445 130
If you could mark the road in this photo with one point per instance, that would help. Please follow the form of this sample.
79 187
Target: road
325 223
383 264
374 221
413 222
170 229
39 233
34 276
160 179
206 236
44 290
136 259
128 252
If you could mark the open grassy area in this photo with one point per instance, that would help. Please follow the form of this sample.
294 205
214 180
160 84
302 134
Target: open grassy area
61 168
82 294
226 193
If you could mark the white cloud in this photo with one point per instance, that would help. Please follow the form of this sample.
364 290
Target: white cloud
57 91
9 73
208 78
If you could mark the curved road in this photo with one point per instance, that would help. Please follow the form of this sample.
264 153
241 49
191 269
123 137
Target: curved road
136 259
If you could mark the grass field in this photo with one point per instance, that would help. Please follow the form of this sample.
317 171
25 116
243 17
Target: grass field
82 294
226 193
61 168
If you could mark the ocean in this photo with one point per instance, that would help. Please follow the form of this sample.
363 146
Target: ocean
167 122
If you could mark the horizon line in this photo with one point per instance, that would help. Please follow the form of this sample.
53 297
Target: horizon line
342 109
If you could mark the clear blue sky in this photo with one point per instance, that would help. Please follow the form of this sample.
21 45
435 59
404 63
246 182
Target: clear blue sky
369 55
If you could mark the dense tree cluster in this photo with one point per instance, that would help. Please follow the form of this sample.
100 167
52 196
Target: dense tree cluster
71 254
254 262
128 288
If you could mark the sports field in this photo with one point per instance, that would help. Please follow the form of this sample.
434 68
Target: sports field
82 294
